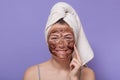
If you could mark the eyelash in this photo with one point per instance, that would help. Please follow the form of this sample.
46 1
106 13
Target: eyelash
68 37
54 38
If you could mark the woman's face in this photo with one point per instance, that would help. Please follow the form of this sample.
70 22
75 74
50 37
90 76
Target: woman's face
61 41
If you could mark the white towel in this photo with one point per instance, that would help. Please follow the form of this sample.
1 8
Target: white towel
65 11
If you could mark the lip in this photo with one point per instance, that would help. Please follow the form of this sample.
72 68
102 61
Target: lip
61 52
61 49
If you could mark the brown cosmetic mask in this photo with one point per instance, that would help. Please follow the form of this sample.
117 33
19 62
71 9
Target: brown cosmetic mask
61 41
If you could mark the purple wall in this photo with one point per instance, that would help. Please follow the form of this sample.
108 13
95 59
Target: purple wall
22 42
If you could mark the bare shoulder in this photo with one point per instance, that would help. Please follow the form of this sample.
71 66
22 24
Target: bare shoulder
31 73
45 65
87 74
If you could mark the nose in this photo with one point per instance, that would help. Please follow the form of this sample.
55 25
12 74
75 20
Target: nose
61 44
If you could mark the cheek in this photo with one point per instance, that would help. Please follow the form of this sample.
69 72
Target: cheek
51 45
71 45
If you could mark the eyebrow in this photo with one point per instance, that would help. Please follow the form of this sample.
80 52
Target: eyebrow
54 34
67 34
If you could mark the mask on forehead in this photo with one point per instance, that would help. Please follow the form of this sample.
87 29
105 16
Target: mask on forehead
59 29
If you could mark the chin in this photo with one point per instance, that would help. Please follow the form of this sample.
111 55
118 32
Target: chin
67 57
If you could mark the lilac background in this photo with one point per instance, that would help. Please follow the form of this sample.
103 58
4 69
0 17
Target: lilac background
22 42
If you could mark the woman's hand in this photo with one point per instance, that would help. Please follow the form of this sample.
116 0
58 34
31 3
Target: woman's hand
75 65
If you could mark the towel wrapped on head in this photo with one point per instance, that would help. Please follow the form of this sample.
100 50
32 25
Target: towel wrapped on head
62 10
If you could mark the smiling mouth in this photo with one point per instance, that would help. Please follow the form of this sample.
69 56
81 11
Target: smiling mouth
61 50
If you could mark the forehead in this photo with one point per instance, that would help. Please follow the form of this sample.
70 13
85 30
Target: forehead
56 28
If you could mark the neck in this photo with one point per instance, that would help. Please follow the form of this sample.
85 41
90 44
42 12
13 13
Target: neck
61 64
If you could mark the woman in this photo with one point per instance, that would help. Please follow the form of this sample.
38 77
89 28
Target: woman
62 39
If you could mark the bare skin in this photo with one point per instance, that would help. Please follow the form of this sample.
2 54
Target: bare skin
65 63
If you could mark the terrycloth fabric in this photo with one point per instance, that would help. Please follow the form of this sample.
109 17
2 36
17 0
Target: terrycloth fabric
65 11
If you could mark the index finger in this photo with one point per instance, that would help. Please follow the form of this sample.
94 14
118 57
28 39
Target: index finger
77 54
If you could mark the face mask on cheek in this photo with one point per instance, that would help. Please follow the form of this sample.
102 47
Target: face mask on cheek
51 46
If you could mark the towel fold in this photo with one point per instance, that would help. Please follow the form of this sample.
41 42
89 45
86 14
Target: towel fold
69 15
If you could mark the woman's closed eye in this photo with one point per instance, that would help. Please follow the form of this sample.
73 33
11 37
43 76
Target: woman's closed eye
53 37
69 37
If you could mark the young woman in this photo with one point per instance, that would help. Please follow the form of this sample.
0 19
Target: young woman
65 63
